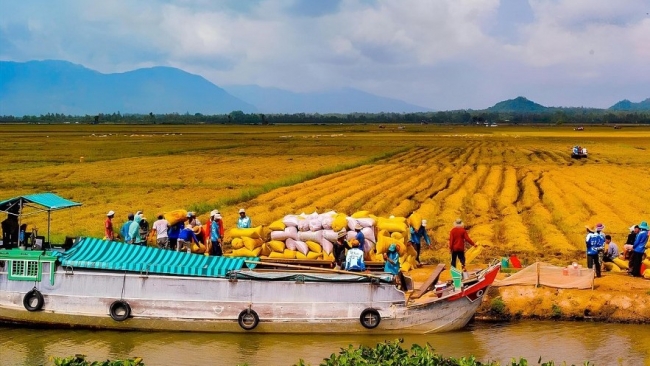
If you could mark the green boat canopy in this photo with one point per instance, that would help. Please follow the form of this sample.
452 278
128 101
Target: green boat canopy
48 201
112 255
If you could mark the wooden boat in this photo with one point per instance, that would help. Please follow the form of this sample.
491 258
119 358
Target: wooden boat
111 285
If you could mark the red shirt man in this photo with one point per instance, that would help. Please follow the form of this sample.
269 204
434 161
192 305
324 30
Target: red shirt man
457 238
108 225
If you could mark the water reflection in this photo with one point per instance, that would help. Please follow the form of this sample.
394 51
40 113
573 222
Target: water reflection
604 344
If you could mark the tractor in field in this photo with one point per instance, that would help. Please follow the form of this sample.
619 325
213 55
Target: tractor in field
579 152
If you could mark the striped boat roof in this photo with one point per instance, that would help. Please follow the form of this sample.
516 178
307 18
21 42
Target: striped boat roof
112 255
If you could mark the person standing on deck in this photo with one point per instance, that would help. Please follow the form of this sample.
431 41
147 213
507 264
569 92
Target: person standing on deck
638 249
134 231
392 260
161 226
185 239
417 236
339 249
124 231
354 258
108 226
244 222
595 242
457 239
173 233
215 233
360 237
192 220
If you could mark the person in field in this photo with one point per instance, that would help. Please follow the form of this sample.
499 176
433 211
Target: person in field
359 236
638 249
354 258
173 233
244 222
611 250
458 236
185 239
192 220
215 234
124 230
161 226
340 247
108 226
219 221
417 236
134 231
595 241
629 243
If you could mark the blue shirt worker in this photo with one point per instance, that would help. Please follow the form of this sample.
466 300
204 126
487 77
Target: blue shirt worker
124 230
354 258
215 235
392 260
595 242
185 239
417 236
244 222
134 231
360 237
638 248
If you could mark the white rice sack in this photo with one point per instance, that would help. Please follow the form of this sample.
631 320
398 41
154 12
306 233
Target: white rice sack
292 232
369 234
327 245
366 222
290 220
303 225
368 246
279 235
315 236
351 235
302 247
291 244
330 235
327 222
352 222
315 225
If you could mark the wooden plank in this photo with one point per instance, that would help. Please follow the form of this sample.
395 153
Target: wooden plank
429 283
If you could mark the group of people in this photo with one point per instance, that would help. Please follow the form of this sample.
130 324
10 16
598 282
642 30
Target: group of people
179 236
601 249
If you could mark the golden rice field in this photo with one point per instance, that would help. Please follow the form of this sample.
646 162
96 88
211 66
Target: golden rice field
516 188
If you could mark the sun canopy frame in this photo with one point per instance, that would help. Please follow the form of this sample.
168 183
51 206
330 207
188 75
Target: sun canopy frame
39 202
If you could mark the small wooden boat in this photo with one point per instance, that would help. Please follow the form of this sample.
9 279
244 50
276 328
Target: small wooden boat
112 285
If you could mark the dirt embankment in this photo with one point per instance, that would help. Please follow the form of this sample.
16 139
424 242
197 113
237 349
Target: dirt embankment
616 297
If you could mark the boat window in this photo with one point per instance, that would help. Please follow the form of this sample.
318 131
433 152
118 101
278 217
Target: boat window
24 270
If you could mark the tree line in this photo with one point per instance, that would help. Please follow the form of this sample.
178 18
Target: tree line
557 116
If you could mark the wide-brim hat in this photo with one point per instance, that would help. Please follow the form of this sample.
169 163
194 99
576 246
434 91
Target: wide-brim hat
241 210
392 247
599 227
458 223
110 213
341 234
424 223
358 226
643 225
213 212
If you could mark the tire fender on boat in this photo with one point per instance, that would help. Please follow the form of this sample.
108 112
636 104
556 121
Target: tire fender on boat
370 318
248 319
119 310
33 300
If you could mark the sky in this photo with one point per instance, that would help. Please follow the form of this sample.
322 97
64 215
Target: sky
439 54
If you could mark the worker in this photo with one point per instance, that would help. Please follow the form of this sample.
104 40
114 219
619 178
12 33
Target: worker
458 236
161 226
215 233
391 259
134 231
629 243
185 239
340 247
360 237
354 258
192 220
417 236
595 241
124 231
173 233
639 248
108 226
611 250
244 221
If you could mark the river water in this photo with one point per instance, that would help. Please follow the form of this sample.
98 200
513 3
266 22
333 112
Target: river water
573 342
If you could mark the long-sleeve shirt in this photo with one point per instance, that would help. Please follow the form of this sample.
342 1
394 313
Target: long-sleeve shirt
134 230
457 238
354 260
215 232
187 234
612 250
108 229
595 242
124 231
392 267
640 241
362 240
244 222
175 230
418 235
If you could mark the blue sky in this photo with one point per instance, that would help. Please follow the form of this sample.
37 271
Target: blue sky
441 54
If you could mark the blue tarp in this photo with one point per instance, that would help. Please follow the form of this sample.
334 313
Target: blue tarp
50 201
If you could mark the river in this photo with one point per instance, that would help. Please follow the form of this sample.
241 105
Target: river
573 342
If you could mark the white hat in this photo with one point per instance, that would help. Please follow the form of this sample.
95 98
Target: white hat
110 213
458 223
424 223
138 213
213 212
217 216
190 214
241 210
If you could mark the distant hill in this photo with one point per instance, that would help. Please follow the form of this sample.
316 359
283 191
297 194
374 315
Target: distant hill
347 100
626 105
40 87
518 105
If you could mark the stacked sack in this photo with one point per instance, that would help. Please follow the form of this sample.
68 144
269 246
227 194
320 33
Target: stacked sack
366 222
247 242
394 230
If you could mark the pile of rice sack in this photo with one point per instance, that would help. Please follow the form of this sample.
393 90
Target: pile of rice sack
247 242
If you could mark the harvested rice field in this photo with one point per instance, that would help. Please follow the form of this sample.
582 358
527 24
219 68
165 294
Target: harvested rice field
517 188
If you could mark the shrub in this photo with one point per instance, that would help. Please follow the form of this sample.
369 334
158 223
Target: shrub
80 360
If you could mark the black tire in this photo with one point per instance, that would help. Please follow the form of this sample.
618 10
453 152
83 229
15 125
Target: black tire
33 300
119 310
370 318
248 319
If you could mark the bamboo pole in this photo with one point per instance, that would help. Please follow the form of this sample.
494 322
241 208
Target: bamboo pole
314 269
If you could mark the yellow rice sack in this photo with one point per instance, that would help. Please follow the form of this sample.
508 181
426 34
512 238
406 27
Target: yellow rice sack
276 246
251 243
254 232
621 263
266 250
277 225
176 216
314 255
647 262
415 220
377 257
646 274
237 243
245 252
299 255
328 257
290 254
339 222
314 247
391 225
276 255
405 267
470 255
198 248
360 214
612 267
382 244
410 250
397 236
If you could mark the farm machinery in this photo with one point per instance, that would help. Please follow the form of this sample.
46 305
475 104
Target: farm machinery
579 152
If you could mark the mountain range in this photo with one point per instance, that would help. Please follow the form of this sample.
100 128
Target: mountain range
41 87
523 105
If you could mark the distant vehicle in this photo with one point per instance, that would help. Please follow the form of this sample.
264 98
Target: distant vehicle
617 127
579 152
579 128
